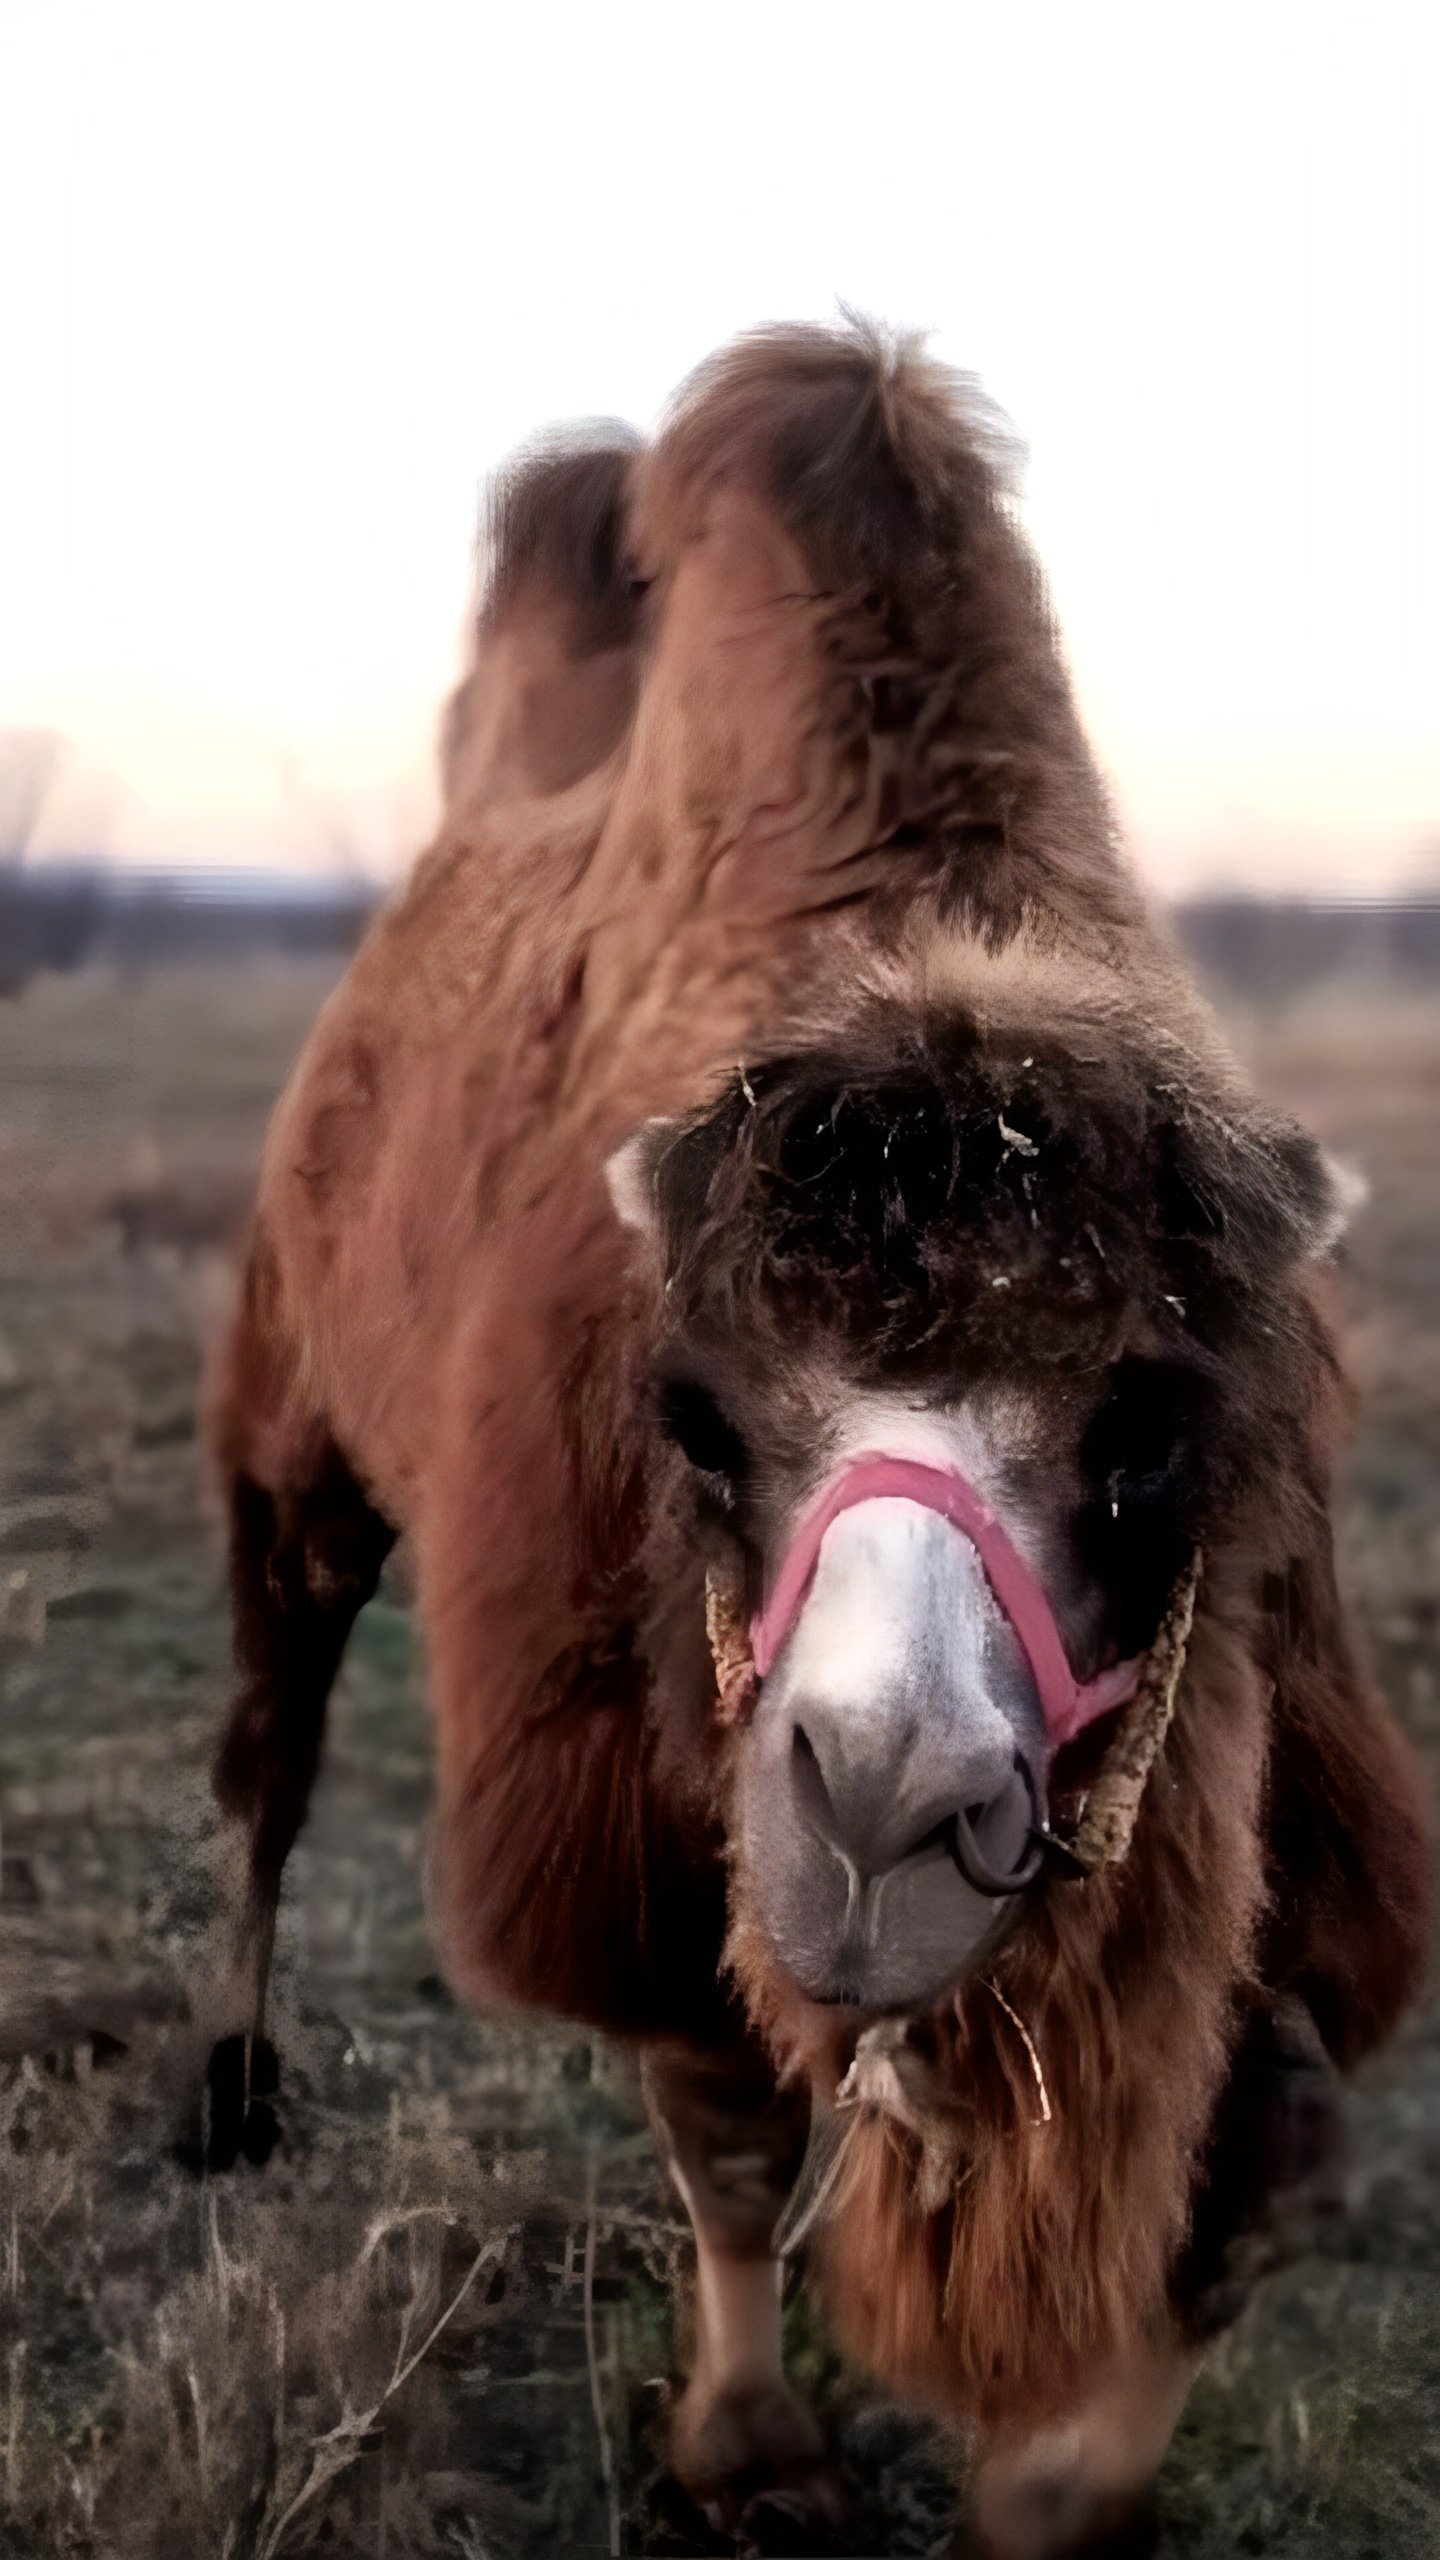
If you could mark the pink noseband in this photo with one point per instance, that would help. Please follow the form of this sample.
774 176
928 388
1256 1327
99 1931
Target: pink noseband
1069 1704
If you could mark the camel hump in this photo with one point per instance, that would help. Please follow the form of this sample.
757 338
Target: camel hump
895 480
555 529
551 681
878 458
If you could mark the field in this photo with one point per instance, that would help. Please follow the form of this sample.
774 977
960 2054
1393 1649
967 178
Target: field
438 2320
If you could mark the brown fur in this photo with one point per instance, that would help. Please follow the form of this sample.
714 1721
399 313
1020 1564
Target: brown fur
830 761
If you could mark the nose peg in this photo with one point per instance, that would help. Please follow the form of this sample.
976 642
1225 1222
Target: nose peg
956 1838
972 1862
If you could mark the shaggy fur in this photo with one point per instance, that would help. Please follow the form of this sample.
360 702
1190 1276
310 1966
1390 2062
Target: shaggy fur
770 819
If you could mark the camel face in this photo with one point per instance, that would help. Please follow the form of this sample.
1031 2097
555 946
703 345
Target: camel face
926 1358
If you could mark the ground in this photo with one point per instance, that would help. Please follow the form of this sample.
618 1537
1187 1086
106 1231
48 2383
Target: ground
263 2364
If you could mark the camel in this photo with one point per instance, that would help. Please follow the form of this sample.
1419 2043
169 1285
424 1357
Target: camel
770 1221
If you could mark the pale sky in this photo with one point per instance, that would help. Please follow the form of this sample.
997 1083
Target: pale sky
281 283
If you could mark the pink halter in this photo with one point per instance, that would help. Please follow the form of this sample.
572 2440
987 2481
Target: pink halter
1069 1704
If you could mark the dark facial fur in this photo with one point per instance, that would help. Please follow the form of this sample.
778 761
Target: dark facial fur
944 1215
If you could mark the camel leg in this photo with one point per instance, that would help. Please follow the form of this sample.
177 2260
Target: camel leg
1273 2172
302 1565
1271 2177
1084 2484
733 2143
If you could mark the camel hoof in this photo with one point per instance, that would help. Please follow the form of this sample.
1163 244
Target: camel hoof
225 2102
1122 2527
755 2464
233 2116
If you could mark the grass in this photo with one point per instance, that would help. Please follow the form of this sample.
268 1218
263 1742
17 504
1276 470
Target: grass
439 2321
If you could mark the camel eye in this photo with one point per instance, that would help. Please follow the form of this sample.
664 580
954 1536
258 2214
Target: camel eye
1142 1456
690 1416
1142 1432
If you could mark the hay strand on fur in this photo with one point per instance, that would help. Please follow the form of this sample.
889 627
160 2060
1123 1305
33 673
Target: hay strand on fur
728 1629
1028 2041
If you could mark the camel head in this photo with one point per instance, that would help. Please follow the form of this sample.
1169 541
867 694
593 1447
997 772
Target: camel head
965 1339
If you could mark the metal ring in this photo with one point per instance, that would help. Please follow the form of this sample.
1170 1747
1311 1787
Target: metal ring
978 1874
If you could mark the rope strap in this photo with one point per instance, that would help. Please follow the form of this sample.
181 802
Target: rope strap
1107 1817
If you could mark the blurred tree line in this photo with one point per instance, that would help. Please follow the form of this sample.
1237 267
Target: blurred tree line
67 914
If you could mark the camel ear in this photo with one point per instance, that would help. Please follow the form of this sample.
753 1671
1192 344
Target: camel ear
1349 1191
1255 1185
1315 1195
631 1175
661 1180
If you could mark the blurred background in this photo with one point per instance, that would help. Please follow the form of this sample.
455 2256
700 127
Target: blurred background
279 288
275 302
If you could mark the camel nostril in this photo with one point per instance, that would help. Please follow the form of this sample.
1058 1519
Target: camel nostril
975 1815
811 1793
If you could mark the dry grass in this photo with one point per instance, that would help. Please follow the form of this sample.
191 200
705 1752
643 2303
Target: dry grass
261 2371
231 2410
438 2321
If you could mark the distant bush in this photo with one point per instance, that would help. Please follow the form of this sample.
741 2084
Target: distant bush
48 920
1273 948
59 917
